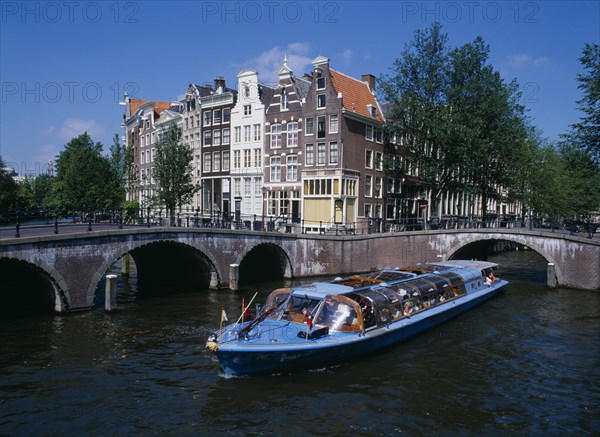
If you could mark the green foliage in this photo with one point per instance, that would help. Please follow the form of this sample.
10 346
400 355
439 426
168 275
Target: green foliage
8 188
585 135
85 178
173 171
454 115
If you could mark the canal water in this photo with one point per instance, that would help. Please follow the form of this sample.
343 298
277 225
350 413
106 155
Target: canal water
526 362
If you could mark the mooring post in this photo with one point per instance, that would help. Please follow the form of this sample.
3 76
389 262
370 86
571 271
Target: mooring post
234 276
125 264
110 296
214 281
551 281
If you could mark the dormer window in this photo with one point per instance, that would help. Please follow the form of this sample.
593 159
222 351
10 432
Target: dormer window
372 110
320 83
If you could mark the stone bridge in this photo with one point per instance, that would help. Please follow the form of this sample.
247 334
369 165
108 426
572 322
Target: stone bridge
69 267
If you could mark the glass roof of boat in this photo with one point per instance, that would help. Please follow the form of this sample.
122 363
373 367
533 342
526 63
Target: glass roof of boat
319 290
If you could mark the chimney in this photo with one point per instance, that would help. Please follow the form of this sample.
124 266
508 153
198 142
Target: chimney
219 82
370 81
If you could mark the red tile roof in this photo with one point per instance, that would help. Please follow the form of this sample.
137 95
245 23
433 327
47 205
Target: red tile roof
355 95
159 107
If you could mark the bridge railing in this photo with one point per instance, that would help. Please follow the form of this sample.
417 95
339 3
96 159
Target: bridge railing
17 223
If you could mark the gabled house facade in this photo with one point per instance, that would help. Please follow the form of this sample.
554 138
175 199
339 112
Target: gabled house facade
342 178
284 148
140 119
247 143
215 133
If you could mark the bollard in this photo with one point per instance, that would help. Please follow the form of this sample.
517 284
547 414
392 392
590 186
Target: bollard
214 281
125 264
110 296
551 281
234 276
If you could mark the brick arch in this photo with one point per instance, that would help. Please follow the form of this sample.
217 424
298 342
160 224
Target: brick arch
288 270
129 246
62 298
515 238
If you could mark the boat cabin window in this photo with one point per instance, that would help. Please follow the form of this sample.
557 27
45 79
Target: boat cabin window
276 298
299 307
340 313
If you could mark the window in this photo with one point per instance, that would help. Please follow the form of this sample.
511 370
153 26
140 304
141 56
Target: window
310 127
283 202
379 136
217 116
367 210
236 159
257 132
292 134
368 186
237 134
368 159
275 136
258 158
321 127
206 162
378 186
207 118
225 161
292 168
275 169
216 161
247 187
207 138
247 158
333 124
310 154
246 91
333 153
247 133
285 102
236 187
321 154
226 136
271 203
153 138
379 161
369 132
257 188
320 83
320 100
247 110
217 137
226 115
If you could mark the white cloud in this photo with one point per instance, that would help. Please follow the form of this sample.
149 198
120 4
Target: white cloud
345 56
522 60
73 127
268 62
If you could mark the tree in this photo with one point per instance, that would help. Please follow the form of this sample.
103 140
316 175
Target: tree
173 171
415 97
585 135
8 188
84 177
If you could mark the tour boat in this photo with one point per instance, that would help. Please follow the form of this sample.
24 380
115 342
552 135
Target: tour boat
324 323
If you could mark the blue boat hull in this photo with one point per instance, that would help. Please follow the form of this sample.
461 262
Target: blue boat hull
315 354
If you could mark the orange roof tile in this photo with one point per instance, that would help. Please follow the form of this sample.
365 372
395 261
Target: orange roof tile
159 107
355 95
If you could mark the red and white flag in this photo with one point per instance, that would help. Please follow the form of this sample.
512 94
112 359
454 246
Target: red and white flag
224 316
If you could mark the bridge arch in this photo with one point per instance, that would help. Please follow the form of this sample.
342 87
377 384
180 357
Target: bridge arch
522 240
156 262
265 261
24 280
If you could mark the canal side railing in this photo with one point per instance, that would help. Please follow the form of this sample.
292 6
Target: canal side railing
17 223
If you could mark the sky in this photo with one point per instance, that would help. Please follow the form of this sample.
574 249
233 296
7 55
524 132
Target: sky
64 65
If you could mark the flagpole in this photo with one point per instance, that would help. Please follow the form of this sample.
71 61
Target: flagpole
244 309
221 324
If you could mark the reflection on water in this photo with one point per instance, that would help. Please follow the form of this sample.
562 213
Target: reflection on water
526 362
